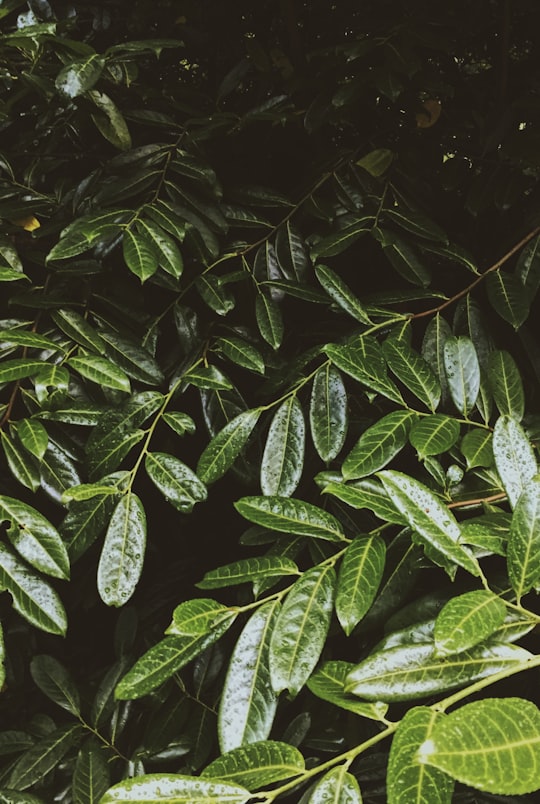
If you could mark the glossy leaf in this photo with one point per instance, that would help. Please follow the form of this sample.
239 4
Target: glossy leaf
55 682
257 764
528 266
248 569
413 371
334 244
159 243
122 557
222 451
291 252
101 371
514 457
328 413
523 553
208 377
176 481
406 261
269 320
132 358
508 297
467 620
140 254
378 445
283 456
21 465
477 448
154 788
370 494
91 777
359 577
364 362
35 538
197 617
241 352
248 702
75 78
462 372
181 423
43 757
406 779
301 629
290 516
79 330
105 455
491 745
336 785
341 294
17 369
328 683
506 385
433 435
437 333
109 120
33 436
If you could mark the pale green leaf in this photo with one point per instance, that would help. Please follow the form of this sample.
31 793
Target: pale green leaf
506 384
289 515
247 570
359 577
181 423
140 254
514 457
340 293
35 538
467 620
433 435
283 456
208 377
462 372
160 244
78 76
370 494
31 340
257 765
222 451
378 445
122 557
101 371
176 481
328 412
33 436
197 617
328 683
19 368
413 371
523 553
154 788
337 786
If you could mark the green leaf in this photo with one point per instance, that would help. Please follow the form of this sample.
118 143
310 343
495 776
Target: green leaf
290 516
508 297
328 683
30 339
248 702
269 320
434 524
35 538
241 353
359 577
14 797
514 457
56 683
86 491
413 371
523 552
370 494
208 377
2 660
433 435
340 292
17 369
364 362
406 672
248 569
109 121
492 745
378 445
91 777
334 244
122 556
101 371
477 448
283 456
336 785
176 481
257 765
506 385
437 333
133 358
377 162
406 779
406 261
328 412
291 252
43 757
21 466
168 217
528 266
197 617
181 423
106 455
462 372
33 436
222 451
154 788
140 254
75 78
162 245
301 629
467 620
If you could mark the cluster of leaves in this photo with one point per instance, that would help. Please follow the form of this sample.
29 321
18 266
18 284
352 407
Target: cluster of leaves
345 352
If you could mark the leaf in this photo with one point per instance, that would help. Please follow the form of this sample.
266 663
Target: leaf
413 371
477 448
406 779
290 516
368 493
11 370
168 217
378 445
508 297
133 358
197 617
301 629
359 577
140 254
246 570
101 371
106 455
176 481
181 423
291 252
528 266
241 353
328 683
33 436
406 672
55 682
506 385
167 252
222 451
43 757
109 121
75 78
514 457
248 702
35 538
433 435
328 413
78 329
257 764
364 362
283 456
431 520
208 377
377 162
338 242
269 320
406 261
340 292
154 788
122 557
523 552
336 785
30 339
437 333
492 745
462 372
467 620
21 466
91 777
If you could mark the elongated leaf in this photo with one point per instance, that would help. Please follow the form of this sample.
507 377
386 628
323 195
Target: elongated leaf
11 370
181 423
370 494
257 765
168 217
248 702
167 252
432 521
55 682
477 448
434 434
107 454
283 456
35 538
437 333
14 797
340 292
30 339
291 252
407 672
248 569
506 385
198 617
359 577
241 352
492 745
140 254
33 436
58 472
328 412
43 757
378 445
91 777
122 556
269 320
301 628
290 516
467 620
176 481
364 362
462 372
109 121
334 244
154 788
208 377
528 266
77 77
133 358
328 683
79 330
222 451
21 465
101 371
406 779
337 785
523 553
514 457
508 297
406 260
413 371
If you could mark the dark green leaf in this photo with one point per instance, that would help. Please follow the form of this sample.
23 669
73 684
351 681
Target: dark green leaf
21 465
208 377
269 320
413 371
35 538
176 481
477 448
101 371
340 292
241 353
359 577
33 436
220 454
91 777
506 385
528 266
291 252
334 244
55 682
75 78
364 362
370 494
378 445
43 757
248 569
328 683
159 243
290 516
437 333
122 556
328 412
283 456
508 297
433 435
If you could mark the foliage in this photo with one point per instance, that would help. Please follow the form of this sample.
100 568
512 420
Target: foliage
268 387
